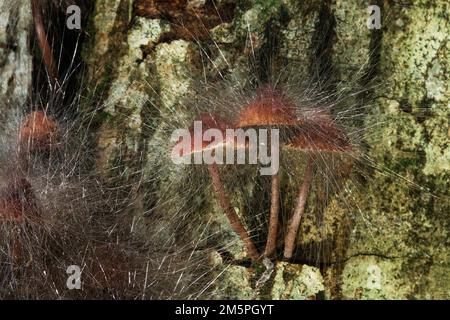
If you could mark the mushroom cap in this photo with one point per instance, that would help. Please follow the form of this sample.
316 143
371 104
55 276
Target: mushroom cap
319 133
16 198
39 132
211 122
269 108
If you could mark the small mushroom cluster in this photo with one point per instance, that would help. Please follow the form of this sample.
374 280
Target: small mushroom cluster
312 133
18 203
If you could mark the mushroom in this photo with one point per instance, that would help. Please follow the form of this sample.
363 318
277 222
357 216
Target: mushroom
269 109
38 132
17 205
214 122
17 198
317 133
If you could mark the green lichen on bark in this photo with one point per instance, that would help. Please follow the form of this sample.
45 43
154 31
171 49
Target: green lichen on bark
400 220
411 222
15 55
297 282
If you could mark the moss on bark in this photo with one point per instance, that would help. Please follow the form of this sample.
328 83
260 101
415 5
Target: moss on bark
400 220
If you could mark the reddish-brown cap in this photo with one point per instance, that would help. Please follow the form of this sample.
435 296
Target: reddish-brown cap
319 133
209 122
17 199
269 108
39 132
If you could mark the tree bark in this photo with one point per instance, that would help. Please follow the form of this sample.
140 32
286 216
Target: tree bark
395 244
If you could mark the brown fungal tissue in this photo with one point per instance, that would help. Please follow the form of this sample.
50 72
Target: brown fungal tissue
46 50
17 201
270 108
214 122
38 132
208 122
316 134
17 205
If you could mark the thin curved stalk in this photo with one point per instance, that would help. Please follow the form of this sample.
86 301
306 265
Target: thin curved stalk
46 50
230 213
273 220
291 236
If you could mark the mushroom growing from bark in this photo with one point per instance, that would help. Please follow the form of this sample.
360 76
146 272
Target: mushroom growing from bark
269 109
214 122
38 132
317 133
17 201
17 205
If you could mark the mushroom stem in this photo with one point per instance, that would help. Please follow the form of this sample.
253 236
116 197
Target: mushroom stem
46 50
291 236
233 218
273 220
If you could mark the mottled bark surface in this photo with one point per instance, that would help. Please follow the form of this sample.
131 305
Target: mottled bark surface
392 242
398 233
15 55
